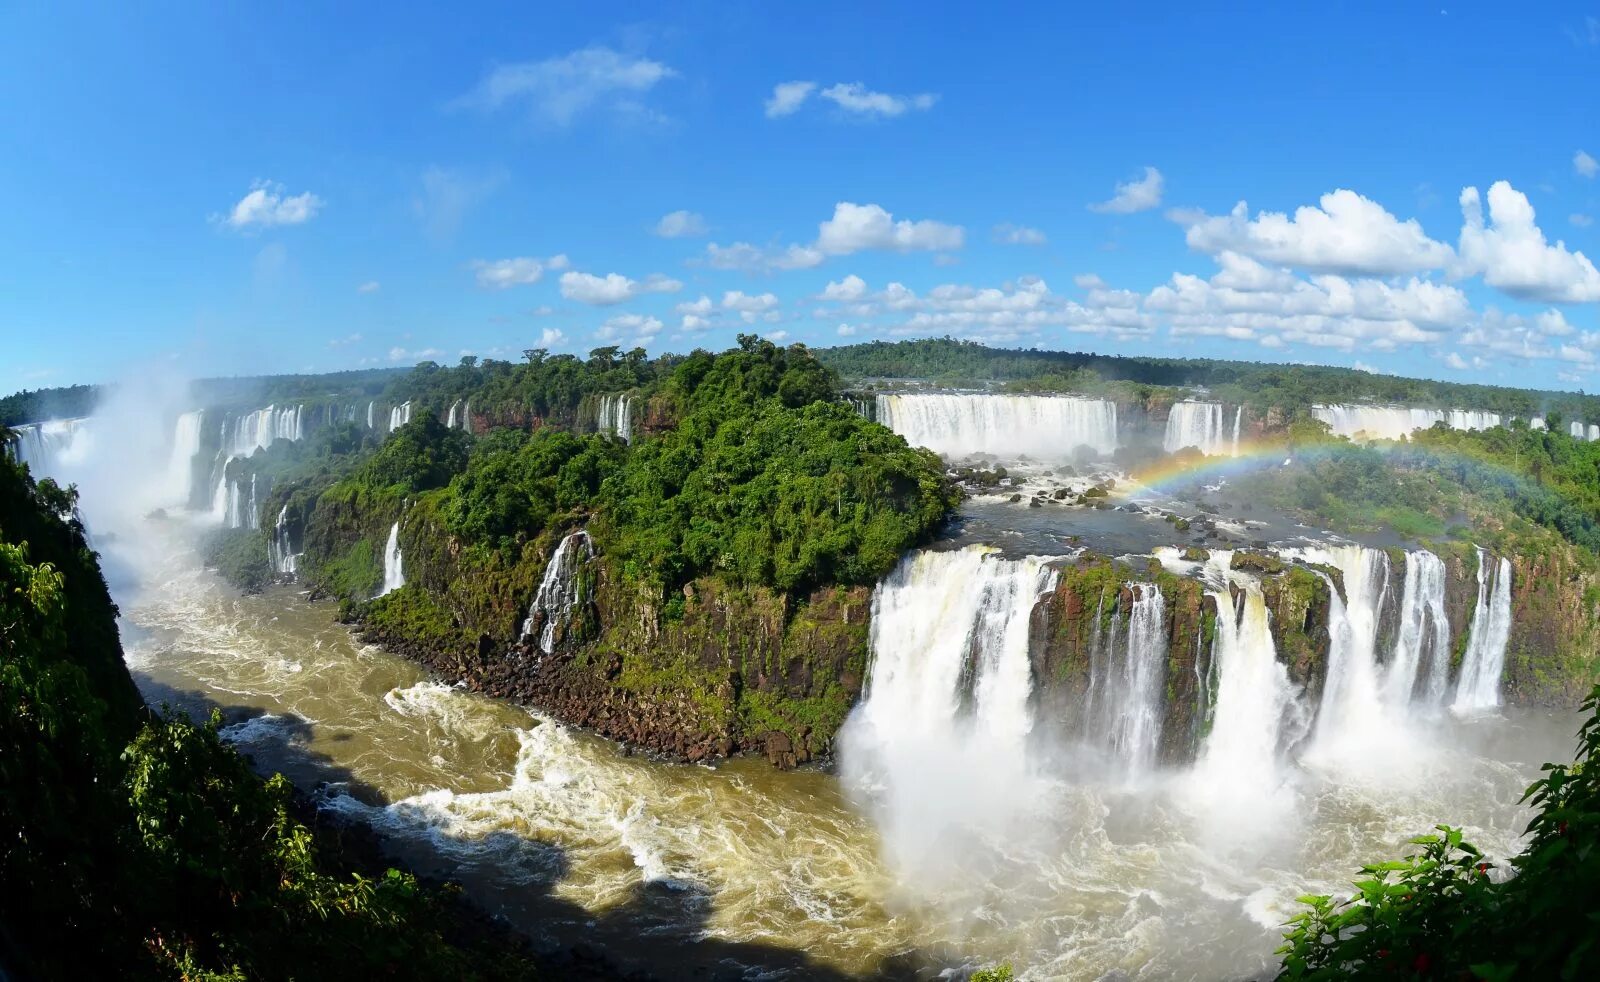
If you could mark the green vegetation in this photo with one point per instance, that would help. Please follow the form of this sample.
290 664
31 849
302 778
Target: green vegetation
1445 912
240 555
41 404
137 846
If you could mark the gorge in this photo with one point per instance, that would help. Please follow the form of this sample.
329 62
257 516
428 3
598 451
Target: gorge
1127 718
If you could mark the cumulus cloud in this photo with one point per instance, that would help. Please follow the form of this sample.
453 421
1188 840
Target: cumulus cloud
370 286
401 354
681 225
1348 235
852 287
501 274
1141 194
1008 234
1585 165
267 206
551 337
751 308
1511 253
613 288
633 330
777 337
855 98
854 228
847 330
749 258
559 90
787 97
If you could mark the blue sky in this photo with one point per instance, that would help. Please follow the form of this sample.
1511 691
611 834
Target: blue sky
275 188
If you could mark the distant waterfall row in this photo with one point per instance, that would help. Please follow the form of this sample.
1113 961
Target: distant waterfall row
1202 425
951 667
1395 422
955 425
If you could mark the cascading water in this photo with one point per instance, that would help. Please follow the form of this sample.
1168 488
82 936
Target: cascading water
1419 670
1478 687
259 429
46 446
219 497
1123 707
616 417
1351 714
558 591
1006 425
1238 424
399 416
185 445
280 548
1237 779
1200 425
394 576
945 718
1397 422
370 407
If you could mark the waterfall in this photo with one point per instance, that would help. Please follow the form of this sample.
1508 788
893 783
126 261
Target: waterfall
285 561
185 445
1420 666
1536 423
399 416
1200 425
219 497
1124 706
44 447
1478 687
370 407
261 428
557 595
1351 712
1006 425
394 576
940 735
1238 424
1397 422
466 416
1257 709
615 417
453 417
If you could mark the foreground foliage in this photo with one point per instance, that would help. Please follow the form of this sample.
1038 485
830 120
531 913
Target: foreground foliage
136 846
1446 912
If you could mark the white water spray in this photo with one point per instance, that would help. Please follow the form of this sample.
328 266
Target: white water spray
557 595
955 425
394 576
1478 687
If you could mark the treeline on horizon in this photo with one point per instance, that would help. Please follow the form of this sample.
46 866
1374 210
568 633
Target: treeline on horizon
544 384
1259 385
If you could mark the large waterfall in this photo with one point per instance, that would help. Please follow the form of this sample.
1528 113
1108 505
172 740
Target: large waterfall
185 445
394 575
1124 705
944 721
1396 422
44 446
1257 712
1478 687
399 416
955 425
616 416
260 428
558 592
1419 670
1201 425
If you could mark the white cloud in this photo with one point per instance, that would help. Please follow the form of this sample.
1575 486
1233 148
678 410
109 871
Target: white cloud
852 287
681 225
345 341
777 337
551 337
1455 361
751 308
1581 220
613 288
755 259
695 322
401 354
1511 253
370 286
638 330
1008 234
1585 165
266 206
1349 235
854 228
853 97
501 274
787 98
847 330
700 308
558 90
1136 195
